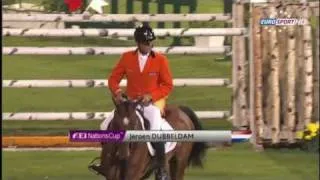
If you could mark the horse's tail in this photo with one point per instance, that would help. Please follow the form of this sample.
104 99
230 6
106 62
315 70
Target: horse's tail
199 148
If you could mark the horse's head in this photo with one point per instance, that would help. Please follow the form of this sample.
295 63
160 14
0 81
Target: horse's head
117 154
125 117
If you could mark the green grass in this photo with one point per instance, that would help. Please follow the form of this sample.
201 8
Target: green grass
99 99
95 100
236 163
83 41
83 67
63 41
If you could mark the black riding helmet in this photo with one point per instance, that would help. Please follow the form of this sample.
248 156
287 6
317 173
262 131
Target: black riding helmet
144 33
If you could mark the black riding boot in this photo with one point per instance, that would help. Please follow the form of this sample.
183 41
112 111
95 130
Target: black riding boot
161 173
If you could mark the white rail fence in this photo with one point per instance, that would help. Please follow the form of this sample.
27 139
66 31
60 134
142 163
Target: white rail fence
110 50
114 17
96 83
25 116
99 83
170 32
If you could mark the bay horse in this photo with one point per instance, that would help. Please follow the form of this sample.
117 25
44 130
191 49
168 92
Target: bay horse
132 161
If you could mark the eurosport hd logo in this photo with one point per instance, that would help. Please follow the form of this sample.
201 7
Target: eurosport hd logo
281 21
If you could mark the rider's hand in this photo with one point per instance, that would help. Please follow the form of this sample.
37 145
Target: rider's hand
119 97
146 99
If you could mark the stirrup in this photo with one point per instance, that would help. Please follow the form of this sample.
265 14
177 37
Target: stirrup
93 161
93 164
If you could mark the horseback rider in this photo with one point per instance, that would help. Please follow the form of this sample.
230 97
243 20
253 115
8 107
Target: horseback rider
149 79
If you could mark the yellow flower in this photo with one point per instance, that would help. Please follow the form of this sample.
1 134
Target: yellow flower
313 127
313 134
307 137
299 134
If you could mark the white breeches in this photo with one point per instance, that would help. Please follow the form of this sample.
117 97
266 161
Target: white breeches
150 112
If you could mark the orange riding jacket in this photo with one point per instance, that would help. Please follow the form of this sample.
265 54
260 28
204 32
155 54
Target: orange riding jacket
156 78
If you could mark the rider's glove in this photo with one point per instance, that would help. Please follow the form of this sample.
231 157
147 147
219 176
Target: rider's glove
146 99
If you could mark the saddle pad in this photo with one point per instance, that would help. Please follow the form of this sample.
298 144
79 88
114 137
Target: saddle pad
169 146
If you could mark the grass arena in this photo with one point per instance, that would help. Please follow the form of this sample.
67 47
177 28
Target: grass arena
236 162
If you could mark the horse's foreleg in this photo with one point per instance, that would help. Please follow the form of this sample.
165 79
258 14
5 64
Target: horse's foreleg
136 170
105 159
114 173
167 167
138 162
173 168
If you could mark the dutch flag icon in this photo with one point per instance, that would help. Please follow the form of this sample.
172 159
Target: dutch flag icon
241 136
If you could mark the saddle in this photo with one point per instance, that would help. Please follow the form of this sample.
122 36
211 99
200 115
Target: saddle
145 120
165 126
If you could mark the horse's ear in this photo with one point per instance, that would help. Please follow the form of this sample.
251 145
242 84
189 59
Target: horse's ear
114 102
136 103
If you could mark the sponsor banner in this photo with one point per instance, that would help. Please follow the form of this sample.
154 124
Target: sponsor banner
151 136
96 136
